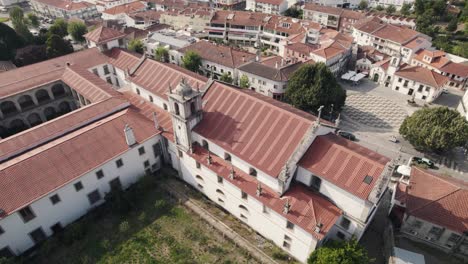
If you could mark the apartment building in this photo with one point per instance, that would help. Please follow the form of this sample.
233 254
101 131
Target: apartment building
64 9
340 19
275 7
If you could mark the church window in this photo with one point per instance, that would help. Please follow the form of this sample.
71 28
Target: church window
316 182
176 109
227 157
253 172
193 108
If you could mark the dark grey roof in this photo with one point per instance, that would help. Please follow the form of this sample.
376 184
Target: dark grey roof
281 74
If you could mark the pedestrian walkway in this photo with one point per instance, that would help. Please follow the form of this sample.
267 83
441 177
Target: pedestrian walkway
181 195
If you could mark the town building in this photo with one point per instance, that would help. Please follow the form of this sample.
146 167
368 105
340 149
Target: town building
275 7
164 5
390 39
105 38
120 12
281 171
64 9
143 19
367 57
269 76
7 3
353 4
102 5
395 20
188 19
434 216
463 106
339 19
386 3
169 39
438 61
216 59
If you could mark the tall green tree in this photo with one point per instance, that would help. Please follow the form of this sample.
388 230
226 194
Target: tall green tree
435 129
56 46
161 54
405 9
192 61
59 28
33 20
20 24
136 45
419 7
312 86
226 78
390 9
452 25
293 12
244 81
77 29
439 7
363 5
9 42
16 15
461 49
343 252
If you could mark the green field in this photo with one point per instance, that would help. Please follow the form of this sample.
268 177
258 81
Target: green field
142 225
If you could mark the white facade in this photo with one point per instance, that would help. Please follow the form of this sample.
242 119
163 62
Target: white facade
86 12
413 88
385 3
75 203
267 8
337 3
463 106
263 85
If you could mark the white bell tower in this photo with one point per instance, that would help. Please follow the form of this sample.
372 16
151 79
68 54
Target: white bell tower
185 106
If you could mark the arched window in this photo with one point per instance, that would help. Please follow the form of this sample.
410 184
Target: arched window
25 101
205 145
138 91
8 107
243 208
199 178
58 90
42 95
176 109
49 113
220 192
165 106
64 107
316 182
34 119
253 172
193 108
151 98
17 125
227 156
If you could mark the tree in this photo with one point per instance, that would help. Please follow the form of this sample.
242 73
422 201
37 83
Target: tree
293 12
33 20
439 7
405 9
363 4
452 25
19 24
461 49
9 42
60 28
435 129
379 8
161 54
56 46
226 78
390 9
312 86
77 29
346 252
419 7
192 61
136 45
244 81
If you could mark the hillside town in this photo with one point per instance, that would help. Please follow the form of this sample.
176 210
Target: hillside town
233 131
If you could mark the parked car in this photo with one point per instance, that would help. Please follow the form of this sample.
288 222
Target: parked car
347 135
424 161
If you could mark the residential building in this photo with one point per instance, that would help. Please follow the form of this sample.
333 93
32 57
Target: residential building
188 19
105 38
395 20
439 62
164 5
339 19
385 3
436 217
170 40
389 39
143 19
102 5
120 12
216 59
64 9
353 4
269 76
275 7
419 82
281 171
463 106
367 57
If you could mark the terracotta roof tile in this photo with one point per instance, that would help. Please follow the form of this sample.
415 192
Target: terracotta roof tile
103 34
126 8
458 69
123 59
344 163
66 4
437 199
423 75
307 207
323 9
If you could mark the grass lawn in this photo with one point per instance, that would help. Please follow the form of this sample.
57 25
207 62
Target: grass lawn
142 225
4 19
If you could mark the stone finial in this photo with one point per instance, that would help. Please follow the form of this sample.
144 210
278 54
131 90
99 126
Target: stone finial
259 189
170 88
318 227
155 120
338 120
286 207
232 173
209 159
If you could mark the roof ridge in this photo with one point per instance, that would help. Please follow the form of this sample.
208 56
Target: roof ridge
431 202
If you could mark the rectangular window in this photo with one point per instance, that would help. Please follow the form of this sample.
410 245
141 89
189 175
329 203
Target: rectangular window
220 179
119 163
220 201
37 235
180 154
244 196
286 245
99 174
287 238
94 197
416 224
436 231
115 184
27 214
56 228
200 186
157 149
340 235
106 69
95 71
78 186
55 199
198 165
141 150
289 225
109 80
146 163
453 238
428 88
1 231
399 80
345 223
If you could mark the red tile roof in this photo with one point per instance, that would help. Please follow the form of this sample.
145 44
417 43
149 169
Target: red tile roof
34 75
126 8
123 59
58 162
47 131
156 77
272 2
307 207
220 54
438 59
260 130
458 69
437 199
323 9
67 4
423 75
344 164
103 34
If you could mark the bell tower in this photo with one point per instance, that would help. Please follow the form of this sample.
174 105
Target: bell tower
185 105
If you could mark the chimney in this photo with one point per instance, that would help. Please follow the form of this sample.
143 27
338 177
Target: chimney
209 159
232 173
259 189
243 58
276 65
318 227
286 207
129 135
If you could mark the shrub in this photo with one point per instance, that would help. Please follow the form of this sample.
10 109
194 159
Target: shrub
124 226
74 233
